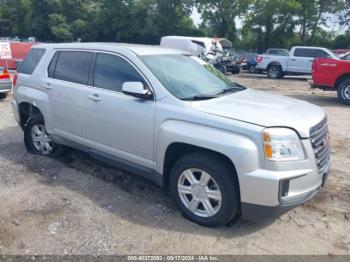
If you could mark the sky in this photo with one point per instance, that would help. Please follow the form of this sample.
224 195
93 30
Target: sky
332 25
196 17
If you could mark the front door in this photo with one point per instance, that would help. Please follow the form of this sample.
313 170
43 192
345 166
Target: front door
118 124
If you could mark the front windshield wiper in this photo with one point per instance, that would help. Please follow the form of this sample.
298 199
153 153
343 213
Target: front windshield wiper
231 90
199 97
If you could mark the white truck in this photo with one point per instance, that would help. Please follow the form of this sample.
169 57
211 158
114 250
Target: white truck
298 62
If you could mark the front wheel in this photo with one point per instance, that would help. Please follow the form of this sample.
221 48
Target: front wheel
38 141
205 190
344 92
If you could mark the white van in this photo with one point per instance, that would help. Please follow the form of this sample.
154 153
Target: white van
196 45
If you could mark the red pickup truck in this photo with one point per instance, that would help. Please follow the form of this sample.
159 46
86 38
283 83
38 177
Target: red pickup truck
332 74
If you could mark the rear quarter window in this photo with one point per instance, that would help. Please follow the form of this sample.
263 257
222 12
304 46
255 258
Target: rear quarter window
31 61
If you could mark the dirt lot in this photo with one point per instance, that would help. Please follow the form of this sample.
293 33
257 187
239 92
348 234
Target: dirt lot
77 206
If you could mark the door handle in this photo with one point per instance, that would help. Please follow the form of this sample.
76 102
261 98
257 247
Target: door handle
293 59
48 86
95 97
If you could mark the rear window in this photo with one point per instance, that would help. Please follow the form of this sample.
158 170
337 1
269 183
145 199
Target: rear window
71 66
31 61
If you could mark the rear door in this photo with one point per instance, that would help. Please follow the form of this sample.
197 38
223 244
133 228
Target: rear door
66 86
301 61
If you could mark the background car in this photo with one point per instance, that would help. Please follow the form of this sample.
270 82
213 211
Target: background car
345 56
341 51
298 62
5 83
249 62
332 74
19 51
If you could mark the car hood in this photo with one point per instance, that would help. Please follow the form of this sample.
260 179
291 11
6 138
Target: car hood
264 109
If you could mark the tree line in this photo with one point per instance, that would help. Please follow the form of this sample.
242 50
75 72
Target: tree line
262 23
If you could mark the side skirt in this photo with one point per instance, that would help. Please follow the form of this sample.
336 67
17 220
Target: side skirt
128 166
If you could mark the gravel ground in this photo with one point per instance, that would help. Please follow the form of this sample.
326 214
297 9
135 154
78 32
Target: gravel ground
76 205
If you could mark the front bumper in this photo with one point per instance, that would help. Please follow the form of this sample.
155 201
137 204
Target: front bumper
264 192
5 86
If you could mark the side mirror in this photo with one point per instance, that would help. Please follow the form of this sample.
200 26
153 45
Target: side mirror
136 89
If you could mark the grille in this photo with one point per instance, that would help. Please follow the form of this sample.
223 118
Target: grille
320 143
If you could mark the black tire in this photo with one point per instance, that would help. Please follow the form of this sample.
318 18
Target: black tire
3 96
223 69
344 92
236 71
37 120
225 178
274 72
252 69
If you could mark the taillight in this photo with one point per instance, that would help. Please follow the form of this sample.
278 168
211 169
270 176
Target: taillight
5 74
259 58
14 80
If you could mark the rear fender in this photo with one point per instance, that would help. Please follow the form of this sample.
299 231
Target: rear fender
37 98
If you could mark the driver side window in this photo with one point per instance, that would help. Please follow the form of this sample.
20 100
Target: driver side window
112 71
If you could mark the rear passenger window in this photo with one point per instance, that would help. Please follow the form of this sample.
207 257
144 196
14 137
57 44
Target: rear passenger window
112 71
303 52
72 66
31 61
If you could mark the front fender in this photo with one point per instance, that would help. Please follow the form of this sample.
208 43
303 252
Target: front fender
242 150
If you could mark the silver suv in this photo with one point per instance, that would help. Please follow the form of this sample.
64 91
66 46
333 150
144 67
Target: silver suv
223 150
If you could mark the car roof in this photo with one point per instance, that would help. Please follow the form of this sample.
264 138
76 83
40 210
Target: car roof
311 47
114 47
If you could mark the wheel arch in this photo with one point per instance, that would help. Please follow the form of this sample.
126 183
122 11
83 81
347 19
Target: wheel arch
274 64
178 149
340 79
27 110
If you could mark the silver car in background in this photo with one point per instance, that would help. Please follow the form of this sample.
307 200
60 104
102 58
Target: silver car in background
5 83
223 150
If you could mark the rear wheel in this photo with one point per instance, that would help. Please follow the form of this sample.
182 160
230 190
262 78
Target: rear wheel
204 189
38 141
252 69
274 72
3 96
344 92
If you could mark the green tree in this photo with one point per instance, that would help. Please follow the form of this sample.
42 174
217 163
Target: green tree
145 21
219 16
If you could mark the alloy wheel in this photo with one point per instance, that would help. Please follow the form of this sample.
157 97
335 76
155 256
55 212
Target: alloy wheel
41 140
199 192
346 92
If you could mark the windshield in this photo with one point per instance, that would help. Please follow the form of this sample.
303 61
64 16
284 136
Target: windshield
189 77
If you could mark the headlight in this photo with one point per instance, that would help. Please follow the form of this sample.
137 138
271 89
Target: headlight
282 144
